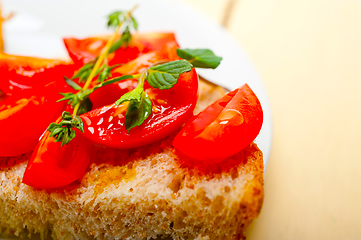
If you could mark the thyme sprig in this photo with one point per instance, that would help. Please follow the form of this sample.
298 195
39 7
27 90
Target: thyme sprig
102 57
161 75
64 130
118 20
81 97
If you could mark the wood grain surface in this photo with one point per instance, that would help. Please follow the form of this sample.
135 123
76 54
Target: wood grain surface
309 56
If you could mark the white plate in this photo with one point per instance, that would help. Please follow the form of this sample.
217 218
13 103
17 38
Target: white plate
39 25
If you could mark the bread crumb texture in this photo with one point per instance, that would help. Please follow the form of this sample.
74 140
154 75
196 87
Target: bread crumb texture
148 193
142 194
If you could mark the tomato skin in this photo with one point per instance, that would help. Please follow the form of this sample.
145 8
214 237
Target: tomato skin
109 94
167 53
171 108
24 117
224 128
53 166
20 72
82 51
114 91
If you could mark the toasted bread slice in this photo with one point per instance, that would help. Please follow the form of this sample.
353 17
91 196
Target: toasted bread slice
144 193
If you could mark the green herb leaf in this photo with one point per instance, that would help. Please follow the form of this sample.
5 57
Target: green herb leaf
71 97
139 108
134 95
118 44
126 36
164 76
81 97
200 58
105 73
135 23
72 84
85 106
64 130
114 80
122 42
74 98
115 18
84 72
138 112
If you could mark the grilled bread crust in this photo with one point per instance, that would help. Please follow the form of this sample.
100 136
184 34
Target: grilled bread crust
145 193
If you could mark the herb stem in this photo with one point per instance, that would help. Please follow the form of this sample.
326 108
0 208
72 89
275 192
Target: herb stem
76 109
142 78
102 56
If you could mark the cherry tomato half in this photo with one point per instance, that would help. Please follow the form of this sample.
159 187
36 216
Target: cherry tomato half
19 72
111 93
84 50
53 166
222 129
171 108
24 117
167 53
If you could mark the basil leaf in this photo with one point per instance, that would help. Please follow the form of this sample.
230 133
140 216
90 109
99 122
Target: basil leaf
134 95
138 112
164 76
139 108
200 58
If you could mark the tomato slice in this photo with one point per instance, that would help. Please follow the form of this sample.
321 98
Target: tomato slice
224 128
19 72
171 108
53 166
24 117
84 50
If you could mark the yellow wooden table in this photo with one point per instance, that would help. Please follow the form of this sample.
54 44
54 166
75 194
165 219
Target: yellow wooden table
309 56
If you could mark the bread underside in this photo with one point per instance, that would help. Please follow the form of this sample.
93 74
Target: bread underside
145 193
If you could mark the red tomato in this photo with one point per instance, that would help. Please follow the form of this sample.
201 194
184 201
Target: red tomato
24 117
167 53
84 50
222 129
19 72
114 91
53 166
111 93
171 108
